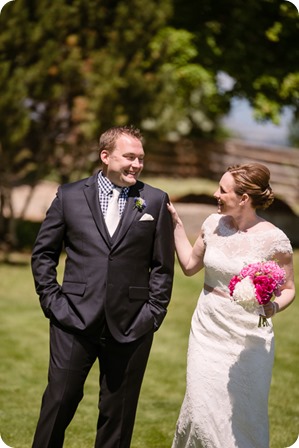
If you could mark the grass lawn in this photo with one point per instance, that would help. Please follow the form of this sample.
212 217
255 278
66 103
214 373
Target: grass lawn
24 360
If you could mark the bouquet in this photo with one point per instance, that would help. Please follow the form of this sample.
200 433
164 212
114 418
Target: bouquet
256 284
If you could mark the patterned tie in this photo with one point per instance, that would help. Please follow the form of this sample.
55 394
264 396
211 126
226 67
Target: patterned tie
112 214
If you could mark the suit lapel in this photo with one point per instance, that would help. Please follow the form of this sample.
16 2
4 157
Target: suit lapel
91 192
129 213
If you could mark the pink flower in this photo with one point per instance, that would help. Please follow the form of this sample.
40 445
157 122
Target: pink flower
264 288
266 279
251 270
235 279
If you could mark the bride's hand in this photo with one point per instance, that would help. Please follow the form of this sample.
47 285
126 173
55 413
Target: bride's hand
175 217
269 309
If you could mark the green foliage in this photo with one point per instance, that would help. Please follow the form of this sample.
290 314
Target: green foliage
24 361
185 91
67 71
255 43
70 69
294 133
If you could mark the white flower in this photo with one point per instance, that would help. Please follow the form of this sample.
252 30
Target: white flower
244 294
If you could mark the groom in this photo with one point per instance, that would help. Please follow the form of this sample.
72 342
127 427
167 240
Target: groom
114 294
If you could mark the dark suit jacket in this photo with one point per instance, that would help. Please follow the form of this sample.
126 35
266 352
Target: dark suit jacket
126 280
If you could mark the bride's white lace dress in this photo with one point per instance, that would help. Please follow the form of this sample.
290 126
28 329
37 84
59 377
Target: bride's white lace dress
230 359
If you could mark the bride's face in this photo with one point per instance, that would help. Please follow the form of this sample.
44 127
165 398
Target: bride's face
228 201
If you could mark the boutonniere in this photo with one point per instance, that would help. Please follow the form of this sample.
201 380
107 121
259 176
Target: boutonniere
140 204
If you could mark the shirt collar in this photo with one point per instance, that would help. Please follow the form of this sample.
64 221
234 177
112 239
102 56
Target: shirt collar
107 186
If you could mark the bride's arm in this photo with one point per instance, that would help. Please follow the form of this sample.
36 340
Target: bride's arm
285 261
190 258
287 296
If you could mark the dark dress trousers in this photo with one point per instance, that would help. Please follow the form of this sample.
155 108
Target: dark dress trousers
113 296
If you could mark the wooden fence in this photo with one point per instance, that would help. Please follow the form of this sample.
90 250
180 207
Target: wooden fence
209 160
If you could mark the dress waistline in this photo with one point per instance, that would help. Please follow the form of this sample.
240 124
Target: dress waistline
217 291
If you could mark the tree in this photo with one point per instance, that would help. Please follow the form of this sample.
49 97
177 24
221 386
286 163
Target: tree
255 42
70 69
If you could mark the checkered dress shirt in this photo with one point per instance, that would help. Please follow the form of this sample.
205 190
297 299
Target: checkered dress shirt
105 194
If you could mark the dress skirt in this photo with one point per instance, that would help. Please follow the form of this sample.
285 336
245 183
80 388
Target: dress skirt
229 368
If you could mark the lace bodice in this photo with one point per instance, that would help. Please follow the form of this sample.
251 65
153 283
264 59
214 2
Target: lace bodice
227 250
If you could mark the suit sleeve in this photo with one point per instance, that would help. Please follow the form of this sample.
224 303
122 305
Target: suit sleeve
45 256
162 268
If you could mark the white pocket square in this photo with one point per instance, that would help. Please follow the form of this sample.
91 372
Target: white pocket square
146 217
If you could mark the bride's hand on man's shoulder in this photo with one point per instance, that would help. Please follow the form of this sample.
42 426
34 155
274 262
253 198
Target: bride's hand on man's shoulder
174 214
172 210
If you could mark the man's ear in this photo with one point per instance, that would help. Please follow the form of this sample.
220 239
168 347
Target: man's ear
104 156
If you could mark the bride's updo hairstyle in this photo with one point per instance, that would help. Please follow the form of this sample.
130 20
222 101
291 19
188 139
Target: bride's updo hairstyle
253 179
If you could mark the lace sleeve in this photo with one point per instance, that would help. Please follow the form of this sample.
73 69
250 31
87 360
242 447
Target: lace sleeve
208 226
280 243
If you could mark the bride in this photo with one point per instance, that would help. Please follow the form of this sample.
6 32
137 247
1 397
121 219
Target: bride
230 358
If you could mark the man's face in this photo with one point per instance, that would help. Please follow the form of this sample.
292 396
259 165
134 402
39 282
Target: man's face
123 165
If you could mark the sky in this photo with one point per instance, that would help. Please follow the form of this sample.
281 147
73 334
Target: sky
240 120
